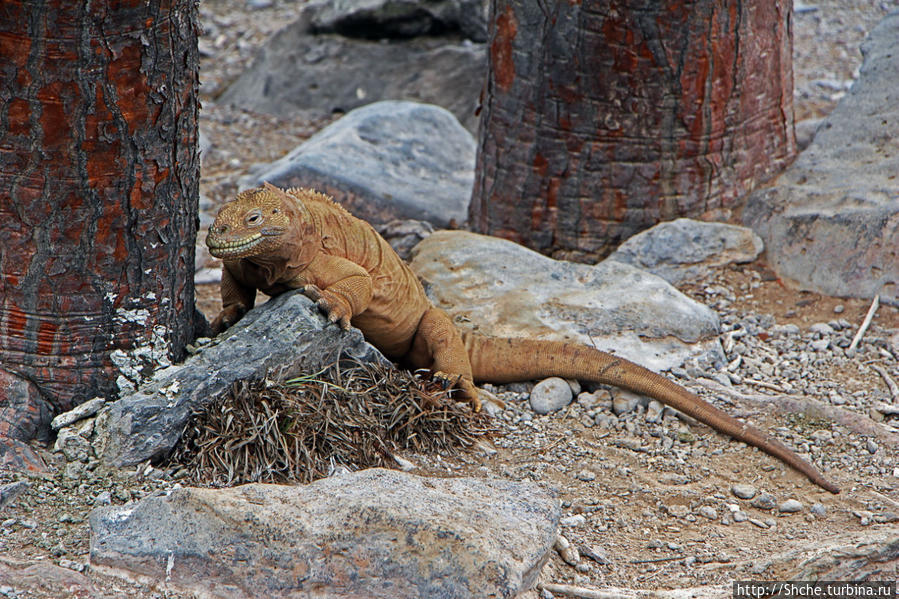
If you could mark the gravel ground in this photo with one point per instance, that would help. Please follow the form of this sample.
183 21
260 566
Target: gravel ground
649 499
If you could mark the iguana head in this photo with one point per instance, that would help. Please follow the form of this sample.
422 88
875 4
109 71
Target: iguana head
253 224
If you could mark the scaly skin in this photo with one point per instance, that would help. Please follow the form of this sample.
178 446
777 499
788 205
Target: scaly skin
272 240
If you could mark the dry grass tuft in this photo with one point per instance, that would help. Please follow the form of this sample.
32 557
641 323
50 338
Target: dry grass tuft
299 430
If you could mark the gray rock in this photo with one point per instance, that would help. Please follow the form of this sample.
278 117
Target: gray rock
764 502
375 533
686 249
398 19
287 335
299 72
790 506
510 291
80 412
12 491
624 401
743 491
831 221
403 235
708 511
386 161
550 395
72 445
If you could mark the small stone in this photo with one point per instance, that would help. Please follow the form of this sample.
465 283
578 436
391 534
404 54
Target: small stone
103 498
709 512
821 328
654 411
28 523
624 401
678 511
575 520
11 491
550 395
740 517
820 344
790 506
818 510
72 445
567 552
743 491
80 412
865 518
72 565
595 553
586 475
838 309
764 502
886 518
871 446
758 523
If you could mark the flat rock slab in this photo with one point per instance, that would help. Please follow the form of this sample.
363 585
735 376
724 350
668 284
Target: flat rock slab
502 289
386 161
686 249
831 221
375 533
284 336
297 71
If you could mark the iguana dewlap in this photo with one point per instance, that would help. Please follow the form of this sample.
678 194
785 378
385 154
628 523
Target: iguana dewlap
272 240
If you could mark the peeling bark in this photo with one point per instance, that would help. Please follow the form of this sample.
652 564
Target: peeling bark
604 118
98 192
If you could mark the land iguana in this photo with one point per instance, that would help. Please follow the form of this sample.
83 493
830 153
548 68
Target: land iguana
274 240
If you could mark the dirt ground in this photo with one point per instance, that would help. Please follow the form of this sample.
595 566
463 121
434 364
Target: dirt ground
641 487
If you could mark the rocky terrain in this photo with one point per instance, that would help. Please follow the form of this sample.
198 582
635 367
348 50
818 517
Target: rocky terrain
649 500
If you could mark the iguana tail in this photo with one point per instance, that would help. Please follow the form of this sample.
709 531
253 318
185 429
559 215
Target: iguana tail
503 360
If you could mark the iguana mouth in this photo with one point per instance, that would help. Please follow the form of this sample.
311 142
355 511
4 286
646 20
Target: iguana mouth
225 249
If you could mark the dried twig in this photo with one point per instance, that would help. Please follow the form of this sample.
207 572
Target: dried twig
571 590
894 388
850 351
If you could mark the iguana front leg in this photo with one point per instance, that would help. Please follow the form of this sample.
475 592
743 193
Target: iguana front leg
237 300
340 288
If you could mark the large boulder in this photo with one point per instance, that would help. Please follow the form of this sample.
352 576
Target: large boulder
831 221
299 71
502 289
283 337
686 249
385 161
376 533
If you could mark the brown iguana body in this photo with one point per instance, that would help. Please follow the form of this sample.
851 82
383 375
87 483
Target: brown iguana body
273 241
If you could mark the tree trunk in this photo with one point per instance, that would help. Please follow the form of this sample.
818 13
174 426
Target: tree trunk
603 118
98 201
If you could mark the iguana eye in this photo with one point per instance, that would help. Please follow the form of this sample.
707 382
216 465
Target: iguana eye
254 217
275 211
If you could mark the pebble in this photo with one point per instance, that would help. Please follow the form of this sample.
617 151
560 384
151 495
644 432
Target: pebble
678 511
758 523
740 517
820 345
80 412
595 553
11 491
575 520
764 502
708 511
744 491
871 446
654 411
790 506
865 517
550 395
821 328
838 309
586 476
568 553
624 401
103 498
818 509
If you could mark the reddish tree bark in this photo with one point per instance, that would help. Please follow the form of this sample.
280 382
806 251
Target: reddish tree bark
98 200
602 118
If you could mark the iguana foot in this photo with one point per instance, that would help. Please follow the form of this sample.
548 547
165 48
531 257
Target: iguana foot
467 391
336 308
